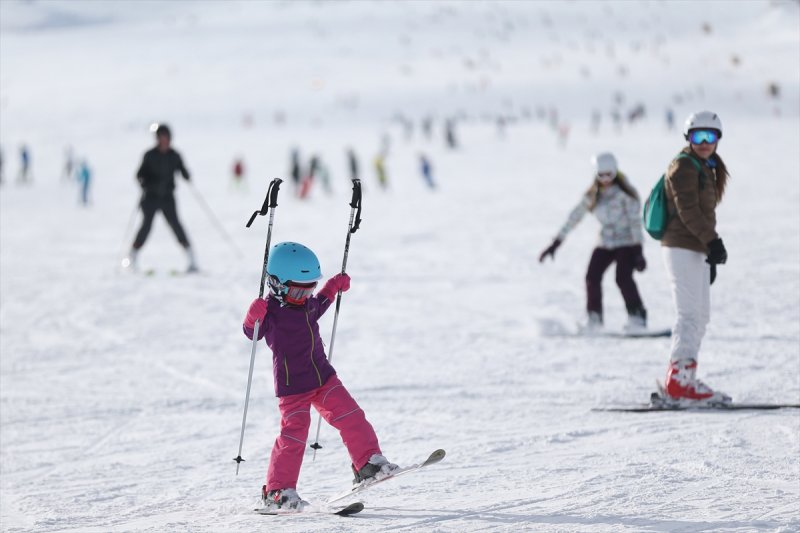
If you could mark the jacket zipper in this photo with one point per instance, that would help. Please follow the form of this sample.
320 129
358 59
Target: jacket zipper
311 332
286 367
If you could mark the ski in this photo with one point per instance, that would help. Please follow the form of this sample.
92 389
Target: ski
434 458
348 510
658 403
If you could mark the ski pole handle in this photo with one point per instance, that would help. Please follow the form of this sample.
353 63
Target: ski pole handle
271 200
270 203
355 203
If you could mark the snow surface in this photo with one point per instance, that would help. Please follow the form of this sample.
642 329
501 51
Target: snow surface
121 396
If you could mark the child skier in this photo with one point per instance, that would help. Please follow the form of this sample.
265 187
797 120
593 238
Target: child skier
303 376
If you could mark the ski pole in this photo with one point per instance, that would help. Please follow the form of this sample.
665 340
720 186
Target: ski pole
352 227
128 228
270 203
214 219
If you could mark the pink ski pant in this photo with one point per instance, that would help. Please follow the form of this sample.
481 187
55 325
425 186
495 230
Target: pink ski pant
339 409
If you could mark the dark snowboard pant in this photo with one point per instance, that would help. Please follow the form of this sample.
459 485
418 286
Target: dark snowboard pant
166 204
598 264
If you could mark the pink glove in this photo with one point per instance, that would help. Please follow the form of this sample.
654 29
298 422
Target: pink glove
257 311
339 282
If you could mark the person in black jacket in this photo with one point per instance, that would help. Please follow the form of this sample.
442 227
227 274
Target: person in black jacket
157 178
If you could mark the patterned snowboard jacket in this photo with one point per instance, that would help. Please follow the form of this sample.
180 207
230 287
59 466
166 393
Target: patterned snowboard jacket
619 216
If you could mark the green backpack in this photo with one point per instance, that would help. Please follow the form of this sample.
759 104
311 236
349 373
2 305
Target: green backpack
656 214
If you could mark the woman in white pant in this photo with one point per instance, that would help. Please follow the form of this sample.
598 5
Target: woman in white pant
695 183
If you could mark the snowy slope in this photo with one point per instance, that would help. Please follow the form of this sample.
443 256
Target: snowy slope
121 396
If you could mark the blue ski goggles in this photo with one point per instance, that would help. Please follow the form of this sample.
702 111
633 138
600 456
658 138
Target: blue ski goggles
703 136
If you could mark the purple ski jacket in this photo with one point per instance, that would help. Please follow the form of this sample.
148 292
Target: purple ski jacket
299 363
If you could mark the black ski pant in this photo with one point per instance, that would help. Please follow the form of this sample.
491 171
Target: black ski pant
151 203
599 263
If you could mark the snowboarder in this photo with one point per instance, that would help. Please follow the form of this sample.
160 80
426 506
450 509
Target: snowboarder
615 203
692 248
303 376
156 175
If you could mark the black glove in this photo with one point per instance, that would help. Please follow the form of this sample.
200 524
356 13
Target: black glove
639 262
550 250
713 273
716 252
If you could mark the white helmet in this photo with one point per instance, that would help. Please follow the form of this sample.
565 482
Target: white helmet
604 162
702 120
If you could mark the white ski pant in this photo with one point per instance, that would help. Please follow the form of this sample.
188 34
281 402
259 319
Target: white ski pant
689 278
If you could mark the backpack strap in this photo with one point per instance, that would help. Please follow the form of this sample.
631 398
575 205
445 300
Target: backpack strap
701 177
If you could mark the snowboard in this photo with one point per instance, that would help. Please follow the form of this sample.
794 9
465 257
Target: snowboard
348 510
555 328
634 334
433 458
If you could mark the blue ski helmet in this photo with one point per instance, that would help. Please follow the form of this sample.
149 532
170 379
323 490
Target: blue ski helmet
291 264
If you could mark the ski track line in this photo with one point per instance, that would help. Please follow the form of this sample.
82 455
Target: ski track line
194 380
588 522
67 463
464 513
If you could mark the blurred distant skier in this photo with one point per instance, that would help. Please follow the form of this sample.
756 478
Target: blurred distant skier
352 162
24 165
294 170
84 175
157 178
692 248
69 164
324 176
450 134
427 127
380 170
597 117
670 118
308 179
238 170
303 376
426 169
616 205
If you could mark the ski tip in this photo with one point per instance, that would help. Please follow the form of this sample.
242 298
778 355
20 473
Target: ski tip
435 457
351 509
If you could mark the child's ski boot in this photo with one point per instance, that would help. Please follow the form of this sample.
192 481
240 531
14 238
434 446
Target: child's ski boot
281 499
378 467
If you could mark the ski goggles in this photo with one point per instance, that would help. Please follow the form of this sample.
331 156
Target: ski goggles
606 176
703 136
298 293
